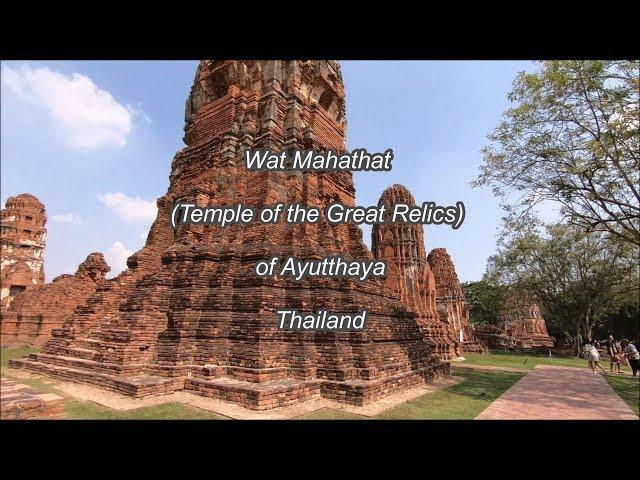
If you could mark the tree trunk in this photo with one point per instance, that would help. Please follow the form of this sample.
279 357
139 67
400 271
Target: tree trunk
578 341
588 327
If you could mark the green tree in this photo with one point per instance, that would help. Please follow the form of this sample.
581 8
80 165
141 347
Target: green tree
485 301
624 322
572 137
577 278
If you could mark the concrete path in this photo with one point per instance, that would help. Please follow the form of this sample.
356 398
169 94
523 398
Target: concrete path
559 393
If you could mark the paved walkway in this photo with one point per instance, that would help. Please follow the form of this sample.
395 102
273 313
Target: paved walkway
559 393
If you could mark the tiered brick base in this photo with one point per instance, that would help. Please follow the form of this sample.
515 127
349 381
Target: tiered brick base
217 383
474 346
83 371
19 401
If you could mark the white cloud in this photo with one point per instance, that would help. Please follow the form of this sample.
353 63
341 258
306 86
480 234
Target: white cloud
90 116
66 218
117 257
137 111
130 209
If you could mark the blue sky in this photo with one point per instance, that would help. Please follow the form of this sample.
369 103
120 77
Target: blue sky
92 139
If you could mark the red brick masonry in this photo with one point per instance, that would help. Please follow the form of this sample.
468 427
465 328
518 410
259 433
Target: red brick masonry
19 401
34 314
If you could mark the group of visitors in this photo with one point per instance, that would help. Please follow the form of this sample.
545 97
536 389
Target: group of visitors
620 353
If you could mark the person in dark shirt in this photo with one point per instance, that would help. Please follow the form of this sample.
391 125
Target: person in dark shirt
614 352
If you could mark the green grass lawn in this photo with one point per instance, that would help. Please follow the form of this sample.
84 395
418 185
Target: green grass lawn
498 358
628 388
459 402
7 353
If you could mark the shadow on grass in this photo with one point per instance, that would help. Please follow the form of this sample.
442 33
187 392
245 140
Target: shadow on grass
628 389
9 353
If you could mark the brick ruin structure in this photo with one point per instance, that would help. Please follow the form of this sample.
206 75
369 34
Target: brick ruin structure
34 314
527 327
23 402
22 243
189 313
451 302
402 246
521 326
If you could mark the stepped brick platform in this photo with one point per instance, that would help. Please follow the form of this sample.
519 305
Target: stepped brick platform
189 313
19 401
451 301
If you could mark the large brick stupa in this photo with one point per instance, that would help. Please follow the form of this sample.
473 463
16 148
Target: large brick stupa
189 313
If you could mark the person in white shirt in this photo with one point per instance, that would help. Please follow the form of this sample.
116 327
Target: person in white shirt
631 353
591 354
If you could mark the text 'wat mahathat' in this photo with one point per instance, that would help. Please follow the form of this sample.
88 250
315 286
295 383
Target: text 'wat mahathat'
189 313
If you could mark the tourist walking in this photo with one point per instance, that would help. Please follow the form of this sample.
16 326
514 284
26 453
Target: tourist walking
630 351
590 352
613 350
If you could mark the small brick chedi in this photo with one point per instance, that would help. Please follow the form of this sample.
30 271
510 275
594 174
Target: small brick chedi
22 243
189 313
450 299
34 314
402 246
521 326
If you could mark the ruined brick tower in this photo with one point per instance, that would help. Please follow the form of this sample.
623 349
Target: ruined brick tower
402 246
520 326
189 312
450 299
523 323
22 242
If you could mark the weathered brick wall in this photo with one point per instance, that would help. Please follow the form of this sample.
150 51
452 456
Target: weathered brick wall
34 314
25 329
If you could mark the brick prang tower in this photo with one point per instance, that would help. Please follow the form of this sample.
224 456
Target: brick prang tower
22 242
